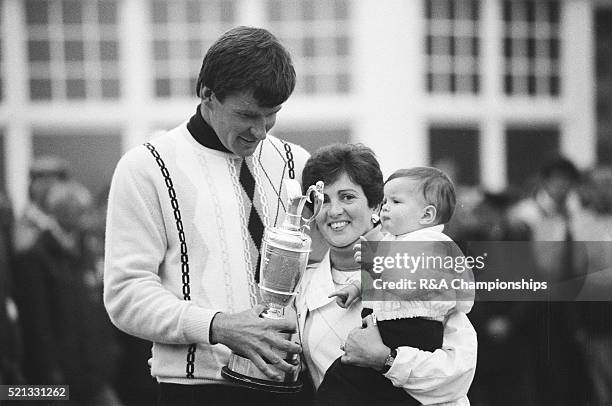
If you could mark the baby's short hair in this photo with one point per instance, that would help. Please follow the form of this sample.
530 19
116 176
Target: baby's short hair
437 188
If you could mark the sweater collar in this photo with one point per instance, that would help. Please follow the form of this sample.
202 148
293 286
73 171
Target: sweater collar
203 133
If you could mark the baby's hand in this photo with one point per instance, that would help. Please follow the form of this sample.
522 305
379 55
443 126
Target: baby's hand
357 249
346 296
357 255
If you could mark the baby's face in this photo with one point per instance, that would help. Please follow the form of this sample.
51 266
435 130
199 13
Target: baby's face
403 206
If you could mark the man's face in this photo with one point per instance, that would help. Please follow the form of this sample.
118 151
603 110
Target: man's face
558 187
240 123
70 214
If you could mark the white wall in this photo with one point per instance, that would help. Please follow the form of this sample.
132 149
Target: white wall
388 108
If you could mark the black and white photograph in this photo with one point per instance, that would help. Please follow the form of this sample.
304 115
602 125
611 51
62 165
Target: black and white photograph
306 202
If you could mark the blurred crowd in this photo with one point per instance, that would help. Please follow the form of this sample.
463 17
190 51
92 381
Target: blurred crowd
53 325
546 352
54 329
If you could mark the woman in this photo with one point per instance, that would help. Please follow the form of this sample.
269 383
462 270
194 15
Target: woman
353 193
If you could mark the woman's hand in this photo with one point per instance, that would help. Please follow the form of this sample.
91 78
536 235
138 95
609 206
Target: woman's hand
364 347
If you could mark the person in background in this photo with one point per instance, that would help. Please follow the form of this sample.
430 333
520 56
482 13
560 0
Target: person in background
10 338
551 326
499 324
44 172
592 215
545 212
65 341
26 232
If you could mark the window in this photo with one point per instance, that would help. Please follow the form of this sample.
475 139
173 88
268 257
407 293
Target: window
603 52
73 49
316 33
455 150
182 32
542 143
531 47
452 46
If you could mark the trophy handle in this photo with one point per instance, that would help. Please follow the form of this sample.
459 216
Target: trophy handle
317 190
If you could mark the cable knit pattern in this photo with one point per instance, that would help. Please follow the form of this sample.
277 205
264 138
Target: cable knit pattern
249 249
219 221
143 287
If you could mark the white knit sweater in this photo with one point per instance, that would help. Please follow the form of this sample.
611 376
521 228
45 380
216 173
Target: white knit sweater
144 279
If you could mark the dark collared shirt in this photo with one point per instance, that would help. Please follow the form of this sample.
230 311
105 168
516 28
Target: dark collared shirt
203 133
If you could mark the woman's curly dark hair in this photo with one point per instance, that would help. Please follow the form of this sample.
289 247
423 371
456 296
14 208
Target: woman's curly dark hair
356 160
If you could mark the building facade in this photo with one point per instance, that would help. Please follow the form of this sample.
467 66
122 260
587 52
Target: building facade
489 87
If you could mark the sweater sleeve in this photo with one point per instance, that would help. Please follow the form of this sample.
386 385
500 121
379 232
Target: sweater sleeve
444 375
135 247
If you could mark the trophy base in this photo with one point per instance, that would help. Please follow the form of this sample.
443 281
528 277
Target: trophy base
242 371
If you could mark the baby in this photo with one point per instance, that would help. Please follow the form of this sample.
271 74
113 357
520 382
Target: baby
417 203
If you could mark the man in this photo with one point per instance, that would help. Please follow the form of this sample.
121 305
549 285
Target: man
10 343
185 217
549 328
545 213
44 173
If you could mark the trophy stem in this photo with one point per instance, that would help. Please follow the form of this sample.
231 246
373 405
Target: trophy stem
274 311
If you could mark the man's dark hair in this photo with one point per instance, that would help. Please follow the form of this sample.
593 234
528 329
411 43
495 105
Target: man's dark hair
356 160
436 187
560 166
596 190
248 59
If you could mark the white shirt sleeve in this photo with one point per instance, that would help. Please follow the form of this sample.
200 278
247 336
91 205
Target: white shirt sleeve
444 375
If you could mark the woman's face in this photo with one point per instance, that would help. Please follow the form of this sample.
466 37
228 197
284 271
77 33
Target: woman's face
345 214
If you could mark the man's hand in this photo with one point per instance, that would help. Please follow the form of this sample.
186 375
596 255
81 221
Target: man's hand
256 338
346 296
364 347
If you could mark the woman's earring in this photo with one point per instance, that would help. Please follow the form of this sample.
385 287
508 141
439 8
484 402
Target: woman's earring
375 218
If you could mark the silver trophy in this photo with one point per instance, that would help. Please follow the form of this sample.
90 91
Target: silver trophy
284 256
